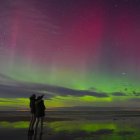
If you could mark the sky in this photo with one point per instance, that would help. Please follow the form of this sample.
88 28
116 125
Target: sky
77 53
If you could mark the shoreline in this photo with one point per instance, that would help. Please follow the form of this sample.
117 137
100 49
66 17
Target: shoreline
70 115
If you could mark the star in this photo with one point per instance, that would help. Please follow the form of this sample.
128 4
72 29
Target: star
116 5
123 73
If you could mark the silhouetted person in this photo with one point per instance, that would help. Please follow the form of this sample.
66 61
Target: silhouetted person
40 113
40 137
33 110
30 137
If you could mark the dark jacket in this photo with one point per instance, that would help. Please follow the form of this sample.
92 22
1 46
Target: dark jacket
32 105
40 108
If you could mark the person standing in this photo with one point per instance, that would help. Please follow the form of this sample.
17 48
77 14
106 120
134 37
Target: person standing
40 112
33 110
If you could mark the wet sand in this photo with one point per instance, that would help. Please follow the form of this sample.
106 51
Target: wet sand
74 126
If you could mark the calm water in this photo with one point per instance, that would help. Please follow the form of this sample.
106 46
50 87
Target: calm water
118 129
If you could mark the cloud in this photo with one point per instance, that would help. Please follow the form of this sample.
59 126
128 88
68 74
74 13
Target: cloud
14 91
62 91
135 99
21 89
118 94
25 90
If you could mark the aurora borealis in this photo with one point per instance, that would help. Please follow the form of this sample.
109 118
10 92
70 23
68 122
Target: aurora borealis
76 52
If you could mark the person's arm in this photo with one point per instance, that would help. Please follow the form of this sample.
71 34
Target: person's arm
43 105
30 104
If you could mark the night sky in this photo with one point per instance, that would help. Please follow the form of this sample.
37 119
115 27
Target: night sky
76 52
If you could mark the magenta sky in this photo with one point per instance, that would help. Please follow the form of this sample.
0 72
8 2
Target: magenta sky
90 45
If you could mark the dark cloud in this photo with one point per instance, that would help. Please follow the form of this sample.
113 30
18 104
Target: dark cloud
14 91
62 91
119 94
135 99
25 90
136 93
20 89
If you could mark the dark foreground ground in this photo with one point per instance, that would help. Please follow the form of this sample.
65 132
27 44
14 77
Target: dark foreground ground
73 125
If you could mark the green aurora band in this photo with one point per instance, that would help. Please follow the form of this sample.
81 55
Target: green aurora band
81 45
100 82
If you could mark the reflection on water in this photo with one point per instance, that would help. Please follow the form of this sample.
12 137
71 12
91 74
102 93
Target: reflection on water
87 126
83 130
101 130
19 124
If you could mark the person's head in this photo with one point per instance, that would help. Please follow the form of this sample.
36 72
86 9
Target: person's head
33 96
40 97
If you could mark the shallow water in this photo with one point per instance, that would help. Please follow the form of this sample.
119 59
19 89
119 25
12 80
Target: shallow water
118 129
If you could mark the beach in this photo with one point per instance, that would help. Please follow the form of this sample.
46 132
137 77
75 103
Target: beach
73 125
